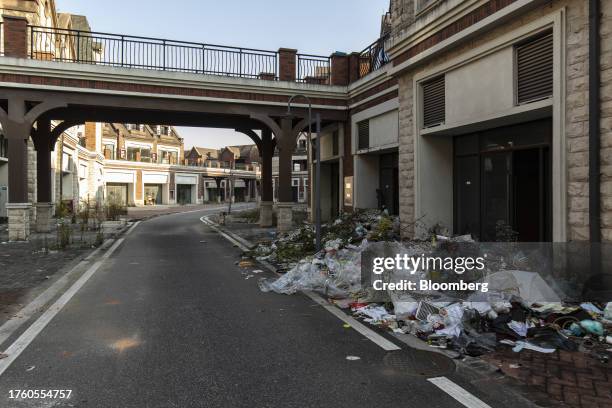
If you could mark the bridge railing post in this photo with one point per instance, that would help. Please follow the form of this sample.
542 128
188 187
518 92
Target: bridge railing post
287 64
164 54
15 36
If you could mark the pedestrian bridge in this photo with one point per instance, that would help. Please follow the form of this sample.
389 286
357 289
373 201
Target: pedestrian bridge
51 75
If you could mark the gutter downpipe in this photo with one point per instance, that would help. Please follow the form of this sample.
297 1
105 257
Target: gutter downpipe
595 134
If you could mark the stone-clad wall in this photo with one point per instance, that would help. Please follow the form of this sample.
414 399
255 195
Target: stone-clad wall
606 121
576 134
406 155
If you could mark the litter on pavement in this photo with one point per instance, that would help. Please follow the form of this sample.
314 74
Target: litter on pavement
512 314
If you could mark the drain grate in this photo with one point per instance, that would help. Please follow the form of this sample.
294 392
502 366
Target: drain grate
419 363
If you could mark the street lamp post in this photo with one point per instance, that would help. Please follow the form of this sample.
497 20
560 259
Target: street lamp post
317 166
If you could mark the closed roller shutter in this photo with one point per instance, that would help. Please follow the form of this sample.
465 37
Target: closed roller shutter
434 104
534 69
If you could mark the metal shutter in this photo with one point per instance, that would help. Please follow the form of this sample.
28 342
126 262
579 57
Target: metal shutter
534 68
434 103
363 128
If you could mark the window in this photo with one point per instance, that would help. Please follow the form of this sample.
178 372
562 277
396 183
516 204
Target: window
140 154
3 146
534 69
363 134
109 152
168 157
434 102
145 155
302 143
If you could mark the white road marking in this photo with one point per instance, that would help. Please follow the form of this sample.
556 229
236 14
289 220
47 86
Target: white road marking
15 349
355 324
224 235
132 228
457 392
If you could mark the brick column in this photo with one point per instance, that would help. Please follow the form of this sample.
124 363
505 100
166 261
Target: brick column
90 136
286 145
44 206
286 64
15 36
354 67
339 69
267 197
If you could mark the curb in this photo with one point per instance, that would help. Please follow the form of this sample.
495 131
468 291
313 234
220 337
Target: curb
474 366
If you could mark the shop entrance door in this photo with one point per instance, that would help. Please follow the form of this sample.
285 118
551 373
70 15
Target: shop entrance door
503 184
153 194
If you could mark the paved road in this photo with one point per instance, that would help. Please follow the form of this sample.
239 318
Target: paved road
170 321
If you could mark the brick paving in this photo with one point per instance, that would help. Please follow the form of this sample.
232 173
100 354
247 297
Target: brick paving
576 378
28 267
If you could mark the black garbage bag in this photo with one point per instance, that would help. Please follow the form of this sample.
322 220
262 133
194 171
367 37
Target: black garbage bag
474 339
500 326
550 337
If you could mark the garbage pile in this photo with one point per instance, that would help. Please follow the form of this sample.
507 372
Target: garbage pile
346 231
511 314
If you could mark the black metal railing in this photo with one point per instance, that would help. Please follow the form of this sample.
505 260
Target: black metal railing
313 69
55 44
373 57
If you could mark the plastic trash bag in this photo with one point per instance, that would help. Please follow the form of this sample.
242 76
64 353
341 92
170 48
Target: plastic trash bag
528 286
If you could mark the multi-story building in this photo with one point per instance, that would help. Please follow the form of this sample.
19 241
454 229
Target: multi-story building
299 173
132 164
475 114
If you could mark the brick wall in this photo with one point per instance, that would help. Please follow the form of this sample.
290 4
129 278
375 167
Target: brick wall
15 36
286 64
90 136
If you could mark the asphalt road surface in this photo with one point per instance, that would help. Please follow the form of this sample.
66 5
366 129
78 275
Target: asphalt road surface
169 320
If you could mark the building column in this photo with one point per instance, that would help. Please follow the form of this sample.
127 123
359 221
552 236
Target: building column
44 205
286 146
17 131
266 218
247 187
218 183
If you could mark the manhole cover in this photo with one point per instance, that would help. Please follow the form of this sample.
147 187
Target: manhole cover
420 363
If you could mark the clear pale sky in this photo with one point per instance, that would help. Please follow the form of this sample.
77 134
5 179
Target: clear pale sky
313 27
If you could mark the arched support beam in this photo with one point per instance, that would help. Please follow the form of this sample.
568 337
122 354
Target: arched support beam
301 126
269 122
253 136
40 109
57 131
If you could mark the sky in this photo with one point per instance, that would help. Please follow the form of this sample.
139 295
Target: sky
313 27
